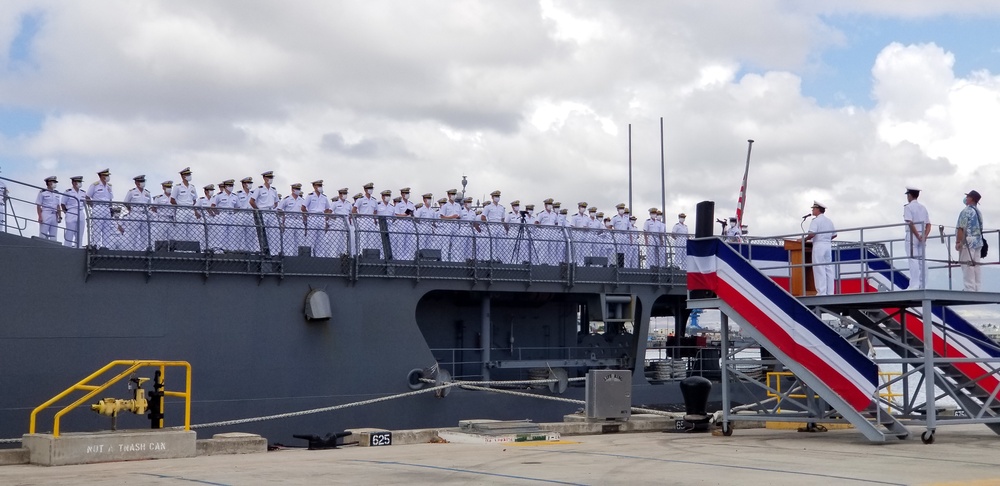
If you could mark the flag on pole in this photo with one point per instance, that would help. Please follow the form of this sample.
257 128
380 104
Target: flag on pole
743 188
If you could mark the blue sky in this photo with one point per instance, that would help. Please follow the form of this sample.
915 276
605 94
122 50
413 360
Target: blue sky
844 74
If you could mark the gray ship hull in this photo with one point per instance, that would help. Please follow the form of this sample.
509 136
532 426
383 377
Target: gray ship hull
253 353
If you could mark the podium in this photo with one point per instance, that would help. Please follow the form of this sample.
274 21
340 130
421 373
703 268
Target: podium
801 283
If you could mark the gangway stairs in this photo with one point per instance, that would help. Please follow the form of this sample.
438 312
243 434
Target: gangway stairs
965 363
830 366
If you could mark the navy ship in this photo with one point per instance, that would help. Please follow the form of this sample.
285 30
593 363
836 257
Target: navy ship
361 317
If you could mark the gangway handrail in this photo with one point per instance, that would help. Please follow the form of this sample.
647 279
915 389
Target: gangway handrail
133 365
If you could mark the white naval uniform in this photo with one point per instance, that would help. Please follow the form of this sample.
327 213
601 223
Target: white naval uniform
632 253
654 243
103 228
187 222
447 229
206 222
547 238
822 254
222 235
341 232
493 215
425 217
317 208
293 226
581 227
367 225
680 236
49 202
402 231
163 226
244 231
136 222
266 199
734 234
73 200
916 213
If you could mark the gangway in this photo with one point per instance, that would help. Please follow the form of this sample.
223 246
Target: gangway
839 374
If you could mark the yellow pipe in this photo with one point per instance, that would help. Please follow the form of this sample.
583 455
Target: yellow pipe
95 389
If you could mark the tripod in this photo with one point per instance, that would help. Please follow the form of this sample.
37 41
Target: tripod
517 242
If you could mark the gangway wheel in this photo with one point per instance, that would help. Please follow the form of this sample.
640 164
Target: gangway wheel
727 429
927 437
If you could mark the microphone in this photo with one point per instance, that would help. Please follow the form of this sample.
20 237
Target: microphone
806 217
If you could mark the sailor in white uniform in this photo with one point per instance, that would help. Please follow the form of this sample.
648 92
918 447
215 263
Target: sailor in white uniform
581 225
653 239
464 244
341 232
822 233
229 237
72 206
317 222
449 214
620 236
632 254
402 236
918 228
206 217
244 231
136 222
546 234
291 214
265 200
48 204
99 196
162 228
680 236
425 216
493 215
733 233
188 225
365 222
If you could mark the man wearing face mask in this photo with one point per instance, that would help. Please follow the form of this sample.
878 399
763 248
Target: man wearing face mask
183 196
49 212
680 235
581 226
291 212
265 200
317 222
493 215
206 217
72 200
99 196
546 235
227 236
619 223
136 222
653 240
162 228
341 231
244 231
365 222
402 229
425 216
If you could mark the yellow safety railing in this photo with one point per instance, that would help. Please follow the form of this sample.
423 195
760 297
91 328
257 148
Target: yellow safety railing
132 366
886 393
777 387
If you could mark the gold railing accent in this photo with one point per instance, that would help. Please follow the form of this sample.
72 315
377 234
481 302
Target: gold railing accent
132 366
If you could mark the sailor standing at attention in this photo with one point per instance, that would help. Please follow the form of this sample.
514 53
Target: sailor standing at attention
227 236
72 202
292 216
402 236
188 222
317 222
265 200
341 231
680 234
206 216
49 212
99 196
733 232
821 232
450 212
365 208
136 222
653 238
163 228
918 228
244 232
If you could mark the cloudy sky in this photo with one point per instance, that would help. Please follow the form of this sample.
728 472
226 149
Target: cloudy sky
847 103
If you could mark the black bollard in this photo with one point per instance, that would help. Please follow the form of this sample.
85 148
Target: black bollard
695 390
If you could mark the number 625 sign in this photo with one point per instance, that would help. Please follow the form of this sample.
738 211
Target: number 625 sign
380 439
